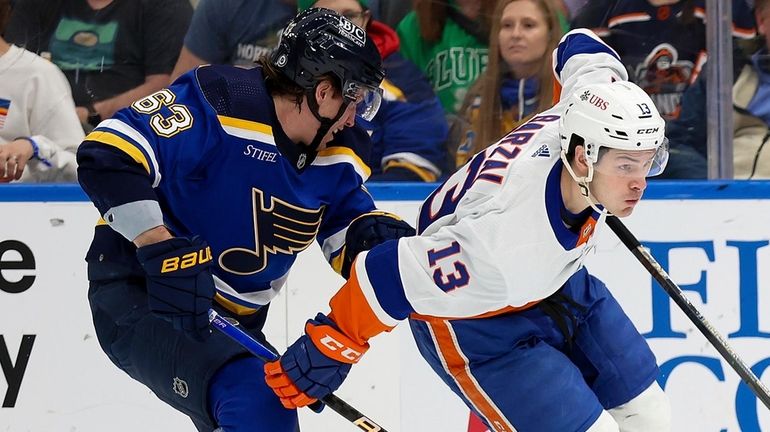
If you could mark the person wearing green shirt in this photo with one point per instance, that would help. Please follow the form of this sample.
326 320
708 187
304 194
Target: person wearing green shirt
447 39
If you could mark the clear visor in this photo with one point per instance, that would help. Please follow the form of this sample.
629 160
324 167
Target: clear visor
367 99
633 163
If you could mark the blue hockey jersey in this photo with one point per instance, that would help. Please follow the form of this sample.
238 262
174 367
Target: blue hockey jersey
208 152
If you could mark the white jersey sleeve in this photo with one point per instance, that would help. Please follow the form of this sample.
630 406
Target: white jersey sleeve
581 58
491 237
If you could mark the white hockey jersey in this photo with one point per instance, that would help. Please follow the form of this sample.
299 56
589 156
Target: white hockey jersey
492 237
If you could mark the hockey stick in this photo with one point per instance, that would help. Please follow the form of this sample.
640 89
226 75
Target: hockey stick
673 290
231 330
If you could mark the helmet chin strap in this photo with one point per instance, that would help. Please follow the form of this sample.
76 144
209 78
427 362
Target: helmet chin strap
307 153
584 184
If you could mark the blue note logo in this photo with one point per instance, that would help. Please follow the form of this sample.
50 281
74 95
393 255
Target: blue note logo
280 227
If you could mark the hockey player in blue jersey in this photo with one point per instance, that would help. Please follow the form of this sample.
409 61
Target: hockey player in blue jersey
208 190
494 286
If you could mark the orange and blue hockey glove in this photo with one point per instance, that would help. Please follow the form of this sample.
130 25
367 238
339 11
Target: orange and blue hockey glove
315 365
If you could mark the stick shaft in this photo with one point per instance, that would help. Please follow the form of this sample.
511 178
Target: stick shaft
676 293
260 351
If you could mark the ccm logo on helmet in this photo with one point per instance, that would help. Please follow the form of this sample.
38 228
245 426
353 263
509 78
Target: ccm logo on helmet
647 131
335 345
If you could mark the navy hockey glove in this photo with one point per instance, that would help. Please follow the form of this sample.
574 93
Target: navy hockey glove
179 283
313 366
369 230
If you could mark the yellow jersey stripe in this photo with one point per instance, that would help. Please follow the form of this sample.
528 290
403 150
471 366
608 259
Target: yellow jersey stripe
233 306
392 89
336 152
120 143
247 129
336 262
245 124
424 174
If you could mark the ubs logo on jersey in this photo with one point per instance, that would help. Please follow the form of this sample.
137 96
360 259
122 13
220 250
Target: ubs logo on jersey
594 100
279 227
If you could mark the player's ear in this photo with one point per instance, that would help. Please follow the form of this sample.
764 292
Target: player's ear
580 165
324 90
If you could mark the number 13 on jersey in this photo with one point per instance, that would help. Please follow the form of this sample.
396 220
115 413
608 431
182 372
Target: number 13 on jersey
457 277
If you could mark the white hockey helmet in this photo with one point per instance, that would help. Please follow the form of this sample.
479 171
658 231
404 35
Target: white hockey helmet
617 115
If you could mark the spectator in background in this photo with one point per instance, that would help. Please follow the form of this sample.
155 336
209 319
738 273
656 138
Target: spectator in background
447 40
39 130
409 132
236 32
518 81
751 115
661 42
112 52
573 6
391 12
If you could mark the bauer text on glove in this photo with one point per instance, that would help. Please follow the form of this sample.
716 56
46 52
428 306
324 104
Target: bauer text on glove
179 283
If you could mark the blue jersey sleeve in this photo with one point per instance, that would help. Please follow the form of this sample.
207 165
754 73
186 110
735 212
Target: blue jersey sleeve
124 158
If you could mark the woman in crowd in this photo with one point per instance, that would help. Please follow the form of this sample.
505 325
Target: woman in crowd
39 128
518 81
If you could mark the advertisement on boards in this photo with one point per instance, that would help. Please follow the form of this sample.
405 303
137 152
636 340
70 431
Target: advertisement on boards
55 376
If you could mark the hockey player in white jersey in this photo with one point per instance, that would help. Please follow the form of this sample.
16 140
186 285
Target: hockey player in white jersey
494 286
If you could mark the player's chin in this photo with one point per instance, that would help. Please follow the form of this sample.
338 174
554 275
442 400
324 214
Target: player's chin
624 210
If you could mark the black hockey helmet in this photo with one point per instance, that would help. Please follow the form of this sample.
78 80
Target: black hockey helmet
319 41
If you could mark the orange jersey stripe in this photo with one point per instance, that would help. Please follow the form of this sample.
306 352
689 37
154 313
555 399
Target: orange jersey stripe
556 90
352 313
456 364
502 311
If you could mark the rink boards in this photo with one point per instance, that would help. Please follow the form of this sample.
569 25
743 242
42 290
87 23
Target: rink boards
713 238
